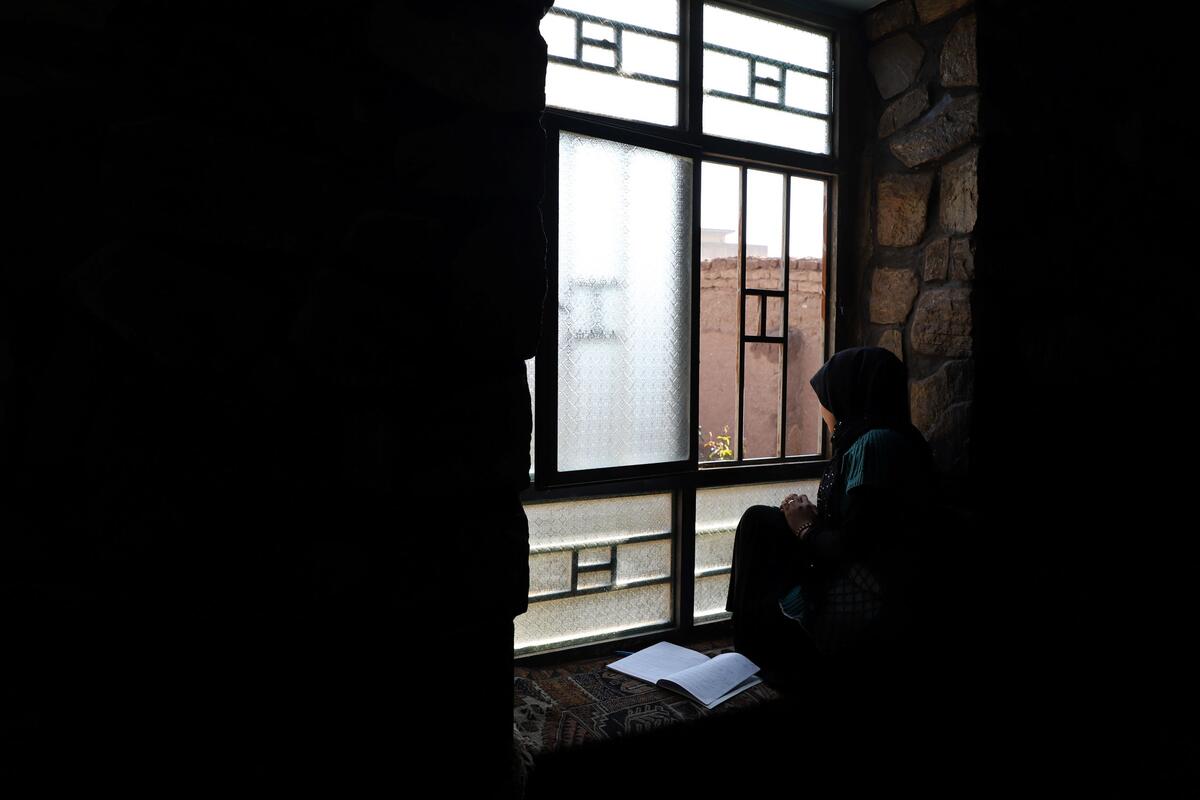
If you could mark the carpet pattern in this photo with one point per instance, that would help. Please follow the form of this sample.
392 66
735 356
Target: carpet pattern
570 704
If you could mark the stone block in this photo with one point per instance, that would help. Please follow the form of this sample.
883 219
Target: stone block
929 398
892 294
889 18
930 10
960 193
894 63
942 323
903 201
962 259
949 125
937 259
903 110
958 65
892 340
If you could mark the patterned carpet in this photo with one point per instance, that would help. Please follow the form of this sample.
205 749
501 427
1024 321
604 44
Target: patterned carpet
567 705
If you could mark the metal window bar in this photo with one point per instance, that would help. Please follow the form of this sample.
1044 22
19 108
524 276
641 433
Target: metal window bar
780 83
611 564
793 162
619 29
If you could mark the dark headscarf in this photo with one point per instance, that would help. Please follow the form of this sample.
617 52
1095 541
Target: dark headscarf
865 388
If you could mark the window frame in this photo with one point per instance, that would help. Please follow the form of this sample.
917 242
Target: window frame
682 479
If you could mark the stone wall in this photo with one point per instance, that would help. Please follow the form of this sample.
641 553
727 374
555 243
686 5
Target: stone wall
916 249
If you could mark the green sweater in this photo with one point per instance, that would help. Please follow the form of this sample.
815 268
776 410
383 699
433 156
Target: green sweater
880 486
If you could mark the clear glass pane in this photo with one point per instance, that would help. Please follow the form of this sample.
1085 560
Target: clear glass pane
649 55
762 393
764 230
726 73
717 514
719 291
806 312
624 296
589 527
807 92
752 317
659 15
763 37
774 316
750 123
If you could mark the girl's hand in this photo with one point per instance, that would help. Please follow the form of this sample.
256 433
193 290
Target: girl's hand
798 510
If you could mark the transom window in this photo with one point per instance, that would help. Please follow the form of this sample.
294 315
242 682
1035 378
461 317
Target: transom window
690 210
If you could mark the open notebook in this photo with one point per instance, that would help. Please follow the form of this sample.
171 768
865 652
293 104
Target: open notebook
708 681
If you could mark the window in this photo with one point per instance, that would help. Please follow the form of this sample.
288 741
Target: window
691 210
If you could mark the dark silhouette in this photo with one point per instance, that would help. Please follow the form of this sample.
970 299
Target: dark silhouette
835 577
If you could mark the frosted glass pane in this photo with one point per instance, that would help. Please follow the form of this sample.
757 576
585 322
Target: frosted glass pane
594 580
726 73
584 76
807 91
587 523
599 55
594 555
768 94
588 527
659 15
649 55
611 95
714 551
624 295
720 193
717 514
593 30
643 560
549 573
763 37
761 402
750 123
763 51
806 313
719 510
592 616
709 600
559 33
764 230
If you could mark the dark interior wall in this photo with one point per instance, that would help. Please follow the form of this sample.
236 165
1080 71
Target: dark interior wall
268 284
245 482
1084 427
